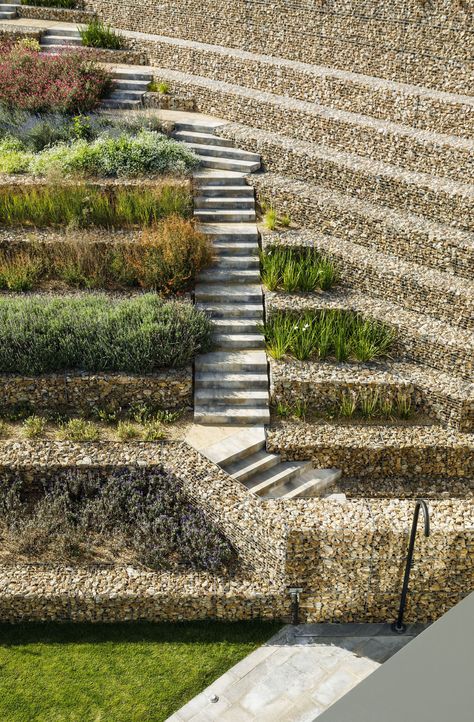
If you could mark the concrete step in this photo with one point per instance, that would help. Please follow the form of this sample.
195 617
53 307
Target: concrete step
195 127
7 14
232 362
240 445
119 84
229 310
233 250
200 138
259 462
218 203
311 483
120 103
216 178
238 340
221 191
237 416
238 262
244 166
230 232
125 74
230 152
53 40
62 32
235 293
230 275
262 483
225 216
235 325
127 94
9 7
215 398
208 380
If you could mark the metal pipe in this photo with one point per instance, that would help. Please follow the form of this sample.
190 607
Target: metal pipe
399 627
295 604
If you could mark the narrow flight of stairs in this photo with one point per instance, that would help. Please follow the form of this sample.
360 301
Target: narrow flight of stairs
56 39
8 10
243 456
231 382
128 88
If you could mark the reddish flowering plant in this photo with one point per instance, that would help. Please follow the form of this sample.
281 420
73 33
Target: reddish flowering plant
69 82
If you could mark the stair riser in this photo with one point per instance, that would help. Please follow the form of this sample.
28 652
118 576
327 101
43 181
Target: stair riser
221 298
223 191
291 475
220 182
121 104
130 85
236 311
245 475
188 137
227 164
127 95
233 276
224 152
231 368
191 127
53 42
218 216
222 384
215 204
218 404
237 345
230 250
216 419
238 263
229 327
122 75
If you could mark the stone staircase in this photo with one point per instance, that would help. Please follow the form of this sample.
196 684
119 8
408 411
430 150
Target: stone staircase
8 10
243 457
56 39
231 383
128 88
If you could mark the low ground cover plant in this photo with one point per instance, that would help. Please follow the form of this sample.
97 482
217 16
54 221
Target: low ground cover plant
167 257
136 515
327 334
148 153
142 334
68 82
98 35
36 131
83 205
300 269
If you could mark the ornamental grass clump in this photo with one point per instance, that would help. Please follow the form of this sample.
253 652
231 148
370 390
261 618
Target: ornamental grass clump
297 269
166 257
327 334
68 4
69 82
132 516
82 205
42 334
98 35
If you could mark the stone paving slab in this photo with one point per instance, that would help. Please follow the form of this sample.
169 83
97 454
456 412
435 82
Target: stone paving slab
297 674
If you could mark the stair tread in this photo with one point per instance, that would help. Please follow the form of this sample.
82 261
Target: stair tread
311 480
240 444
261 483
251 465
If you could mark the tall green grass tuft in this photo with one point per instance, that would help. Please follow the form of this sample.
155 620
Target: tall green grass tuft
41 334
83 205
99 35
327 334
297 269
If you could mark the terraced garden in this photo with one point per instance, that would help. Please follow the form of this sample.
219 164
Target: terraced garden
235 346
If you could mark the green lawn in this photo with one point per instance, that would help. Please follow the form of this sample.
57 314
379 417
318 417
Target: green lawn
115 672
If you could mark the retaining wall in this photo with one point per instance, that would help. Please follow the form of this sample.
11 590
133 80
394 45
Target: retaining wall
348 557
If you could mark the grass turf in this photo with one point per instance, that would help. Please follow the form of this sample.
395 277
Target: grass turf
115 672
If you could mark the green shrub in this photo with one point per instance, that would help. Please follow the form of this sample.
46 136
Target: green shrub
99 35
327 333
83 205
143 334
374 403
293 270
68 4
148 153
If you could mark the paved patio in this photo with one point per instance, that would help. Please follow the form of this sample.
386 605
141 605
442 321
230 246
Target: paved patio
297 675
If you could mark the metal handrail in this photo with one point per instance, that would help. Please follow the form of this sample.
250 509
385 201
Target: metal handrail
398 626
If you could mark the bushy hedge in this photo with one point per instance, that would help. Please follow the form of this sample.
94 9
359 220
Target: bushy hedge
41 334
68 82
135 516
